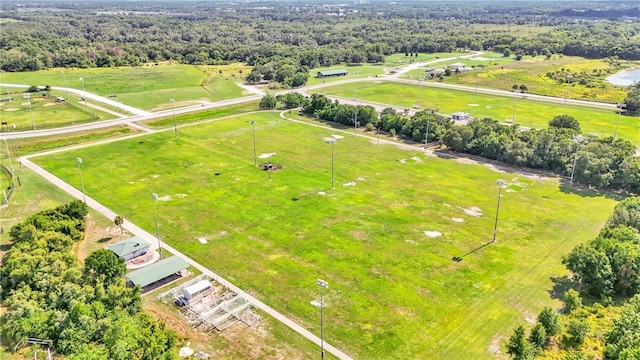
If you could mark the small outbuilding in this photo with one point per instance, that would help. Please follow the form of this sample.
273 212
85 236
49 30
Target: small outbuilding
332 73
130 248
459 116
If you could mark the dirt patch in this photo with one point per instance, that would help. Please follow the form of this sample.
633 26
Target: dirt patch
11 109
265 156
338 137
457 219
164 198
359 235
24 104
181 196
48 104
433 234
350 183
494 347
473 211
417 159
202 240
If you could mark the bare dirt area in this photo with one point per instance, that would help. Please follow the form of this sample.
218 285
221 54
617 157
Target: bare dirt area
97 237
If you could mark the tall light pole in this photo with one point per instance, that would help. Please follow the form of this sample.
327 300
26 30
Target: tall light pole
255 154
323 285
426 137
13 173
64 80
28 97
500 183
578 140
173 110
79 161
615 133
84 94
154 196
332 141
15 143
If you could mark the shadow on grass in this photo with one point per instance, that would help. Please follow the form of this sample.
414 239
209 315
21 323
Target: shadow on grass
105 239
560 285
590 192
232 170
460 258
314 192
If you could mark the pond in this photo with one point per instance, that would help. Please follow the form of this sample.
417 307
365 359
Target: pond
624 77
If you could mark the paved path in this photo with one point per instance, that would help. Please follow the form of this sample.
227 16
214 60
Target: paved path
155 242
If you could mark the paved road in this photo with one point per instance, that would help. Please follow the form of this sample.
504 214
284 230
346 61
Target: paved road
142 115
151 239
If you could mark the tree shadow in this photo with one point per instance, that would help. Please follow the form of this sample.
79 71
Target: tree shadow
591 192
560 285
105 239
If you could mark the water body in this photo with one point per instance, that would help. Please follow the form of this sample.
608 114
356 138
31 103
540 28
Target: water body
624 77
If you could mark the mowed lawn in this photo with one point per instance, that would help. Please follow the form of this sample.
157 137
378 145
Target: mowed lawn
46 112
148 87
527 112
394 292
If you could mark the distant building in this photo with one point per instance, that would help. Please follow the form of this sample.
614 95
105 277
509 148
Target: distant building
460 116
332 73
457 66
130 248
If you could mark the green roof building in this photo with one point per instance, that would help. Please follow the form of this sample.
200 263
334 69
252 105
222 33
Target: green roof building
332 73
157 271
130 248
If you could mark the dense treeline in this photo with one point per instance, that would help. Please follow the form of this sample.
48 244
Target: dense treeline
88 313
593 161
389 120
561 148
103 34
602 268
632 101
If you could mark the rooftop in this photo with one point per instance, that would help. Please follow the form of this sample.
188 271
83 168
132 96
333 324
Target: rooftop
157 271
128 246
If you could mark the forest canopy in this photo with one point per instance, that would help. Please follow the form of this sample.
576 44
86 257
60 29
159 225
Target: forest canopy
104 34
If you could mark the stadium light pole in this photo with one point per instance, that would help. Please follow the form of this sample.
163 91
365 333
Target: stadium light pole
577 139
255 154
79 161
500 183
154 196
28 97
173 110
615 133
323 285
332 141
84 94
426 137
13 173
15 143
64 80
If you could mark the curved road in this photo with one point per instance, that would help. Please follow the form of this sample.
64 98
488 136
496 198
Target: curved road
141 115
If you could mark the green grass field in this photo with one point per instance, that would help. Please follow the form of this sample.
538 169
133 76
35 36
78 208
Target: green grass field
355 72
528 113
532 73
47 113
400 59
394 292
147 87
